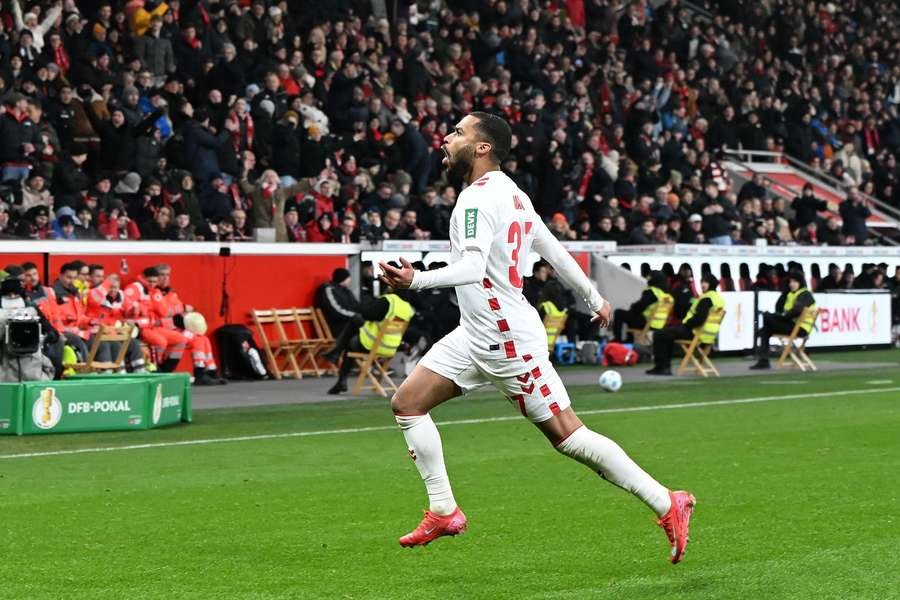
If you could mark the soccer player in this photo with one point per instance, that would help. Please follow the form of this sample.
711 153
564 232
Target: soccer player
501 340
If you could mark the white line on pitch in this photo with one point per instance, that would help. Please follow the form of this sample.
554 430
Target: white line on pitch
598 411
880 381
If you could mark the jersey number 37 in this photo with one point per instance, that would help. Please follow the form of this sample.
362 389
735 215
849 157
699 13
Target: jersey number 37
516 237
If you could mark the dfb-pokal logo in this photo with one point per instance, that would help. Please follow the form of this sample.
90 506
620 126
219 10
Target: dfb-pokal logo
47 409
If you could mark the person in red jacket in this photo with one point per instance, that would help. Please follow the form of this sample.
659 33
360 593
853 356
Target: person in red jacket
69 317
319 230
119 226
108 305
166 342
170 311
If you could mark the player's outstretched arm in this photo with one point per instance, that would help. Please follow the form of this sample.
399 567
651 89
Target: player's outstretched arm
552 251
477 227
468 269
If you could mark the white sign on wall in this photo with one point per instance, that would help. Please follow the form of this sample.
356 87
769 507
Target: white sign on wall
845 319
736 332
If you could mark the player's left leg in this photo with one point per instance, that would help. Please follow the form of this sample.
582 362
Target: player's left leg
543 399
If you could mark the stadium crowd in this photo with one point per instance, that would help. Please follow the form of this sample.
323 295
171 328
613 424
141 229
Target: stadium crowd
205 119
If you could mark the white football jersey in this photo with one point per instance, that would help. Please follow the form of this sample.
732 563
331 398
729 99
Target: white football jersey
496 217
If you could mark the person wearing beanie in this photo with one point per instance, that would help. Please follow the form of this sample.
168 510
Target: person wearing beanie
336 300
788 309
696 317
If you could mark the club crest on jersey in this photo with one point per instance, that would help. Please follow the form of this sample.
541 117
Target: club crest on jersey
471 221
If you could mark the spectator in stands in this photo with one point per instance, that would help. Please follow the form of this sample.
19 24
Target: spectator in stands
693 234
788 310
35 224
643 235
718 212
590 138
320 229
348 233
806 207
854 213
6 231
754 188
119 226
269 199
832 281
866 280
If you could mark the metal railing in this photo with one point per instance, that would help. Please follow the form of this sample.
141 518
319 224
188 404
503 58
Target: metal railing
821 178
810 173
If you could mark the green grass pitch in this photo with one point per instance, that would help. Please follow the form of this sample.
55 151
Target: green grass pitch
797 498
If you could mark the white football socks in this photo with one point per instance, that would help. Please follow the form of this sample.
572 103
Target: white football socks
604 456
424 443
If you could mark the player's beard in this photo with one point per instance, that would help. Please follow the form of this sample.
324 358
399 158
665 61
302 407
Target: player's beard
461 165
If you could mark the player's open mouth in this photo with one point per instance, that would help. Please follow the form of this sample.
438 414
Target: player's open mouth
446 160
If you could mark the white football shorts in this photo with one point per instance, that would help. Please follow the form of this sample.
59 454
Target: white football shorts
537 390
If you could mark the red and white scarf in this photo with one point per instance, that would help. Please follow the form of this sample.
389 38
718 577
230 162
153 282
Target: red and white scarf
236 134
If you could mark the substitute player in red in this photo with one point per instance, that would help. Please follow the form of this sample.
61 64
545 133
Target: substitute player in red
501 340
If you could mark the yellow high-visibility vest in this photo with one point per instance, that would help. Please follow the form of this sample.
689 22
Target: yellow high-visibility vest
656 320
550 309
807 323
400 310
709 331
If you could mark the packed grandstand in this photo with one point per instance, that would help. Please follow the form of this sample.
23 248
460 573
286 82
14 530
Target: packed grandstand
323 121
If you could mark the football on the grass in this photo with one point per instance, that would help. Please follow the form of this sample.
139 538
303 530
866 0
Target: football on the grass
610 381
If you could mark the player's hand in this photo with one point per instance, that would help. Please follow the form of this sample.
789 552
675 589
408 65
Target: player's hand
602 315
399 279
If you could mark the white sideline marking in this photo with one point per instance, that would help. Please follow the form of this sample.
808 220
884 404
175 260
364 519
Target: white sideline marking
791 382
598 411
880 381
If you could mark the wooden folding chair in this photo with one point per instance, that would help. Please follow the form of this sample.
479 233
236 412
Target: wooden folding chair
697 352
661 310
327 338
107 333
375 367
311 340
554 323
280 350
795 344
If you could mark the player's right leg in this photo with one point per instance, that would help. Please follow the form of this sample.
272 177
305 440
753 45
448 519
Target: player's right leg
543 399
432 382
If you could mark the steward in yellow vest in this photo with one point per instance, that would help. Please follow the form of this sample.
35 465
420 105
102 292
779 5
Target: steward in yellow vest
552 302
637 315
788 309
361 332
398 310
696 317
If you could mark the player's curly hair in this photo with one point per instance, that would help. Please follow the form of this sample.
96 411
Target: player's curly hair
496 132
